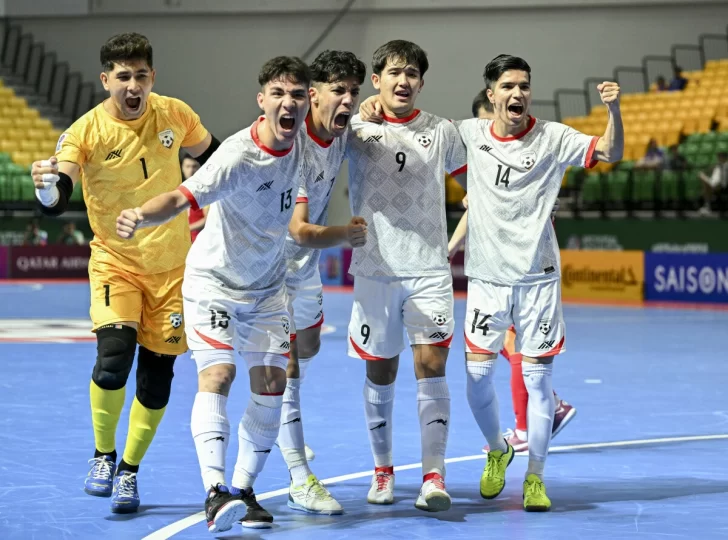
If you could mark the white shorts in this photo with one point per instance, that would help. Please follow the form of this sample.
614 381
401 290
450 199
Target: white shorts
385 307
305 303
214 319
534 310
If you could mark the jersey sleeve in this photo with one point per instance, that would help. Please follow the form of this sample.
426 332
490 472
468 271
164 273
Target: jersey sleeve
190 122
217 179
71 147
577 149
302 196
456 156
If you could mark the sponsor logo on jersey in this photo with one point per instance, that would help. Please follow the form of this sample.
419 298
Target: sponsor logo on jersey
424 138
166 137
486 148
265 185
59 144
439 318
286 345
528 159
114 154
544 325
320 177
373 138
439 335
546 345
173 339
176 320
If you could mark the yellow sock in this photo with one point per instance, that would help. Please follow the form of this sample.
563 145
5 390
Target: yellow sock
106 408
143 425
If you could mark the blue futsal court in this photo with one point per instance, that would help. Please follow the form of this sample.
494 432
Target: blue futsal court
646 456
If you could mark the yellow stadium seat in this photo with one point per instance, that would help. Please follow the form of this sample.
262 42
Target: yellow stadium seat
7 93
30 146
37 134
723 123
17 102
5 123
30 113
42 123
7 146
49 146
9 112
22 158
24 123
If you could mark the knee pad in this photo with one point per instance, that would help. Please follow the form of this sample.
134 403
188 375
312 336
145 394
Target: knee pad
211 357
115 347
154 378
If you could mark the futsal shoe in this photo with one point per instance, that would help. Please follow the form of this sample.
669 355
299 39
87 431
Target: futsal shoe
534 495
314 498
256 517
382 489
125 497
223 509
100 479
493 479
433 497
563 414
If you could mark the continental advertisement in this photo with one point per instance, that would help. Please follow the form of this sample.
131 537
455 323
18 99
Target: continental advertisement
602 275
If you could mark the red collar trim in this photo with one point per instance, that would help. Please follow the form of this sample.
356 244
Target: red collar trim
531 123
401 120
256 140
322 143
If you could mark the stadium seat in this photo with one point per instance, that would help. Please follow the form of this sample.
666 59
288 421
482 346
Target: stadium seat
617 185
644 185
693 187
591 192
668 186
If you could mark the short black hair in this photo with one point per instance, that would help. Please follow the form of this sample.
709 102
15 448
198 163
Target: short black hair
502 63
481 100
290 68
332 66
125 47
402 51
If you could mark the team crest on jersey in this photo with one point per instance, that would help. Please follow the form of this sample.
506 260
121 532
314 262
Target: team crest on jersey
424 138
286 324
176 320
439 318
166 137
60 142
544 325
528 160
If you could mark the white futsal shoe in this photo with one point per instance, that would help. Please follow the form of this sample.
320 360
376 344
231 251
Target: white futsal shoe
433 497
382 489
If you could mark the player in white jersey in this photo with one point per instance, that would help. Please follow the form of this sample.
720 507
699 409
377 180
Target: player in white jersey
402 275
234 288
336 77
516 164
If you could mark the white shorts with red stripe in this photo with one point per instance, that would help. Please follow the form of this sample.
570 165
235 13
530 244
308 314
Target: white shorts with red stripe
306 303
534 310
217 318
385 307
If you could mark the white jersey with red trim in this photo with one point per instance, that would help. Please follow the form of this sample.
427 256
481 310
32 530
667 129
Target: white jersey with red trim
397 183
323 161
251 191
513 183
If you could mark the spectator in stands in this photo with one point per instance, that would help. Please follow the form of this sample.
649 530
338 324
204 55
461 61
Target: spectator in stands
660 84
678 82
653 159
34 235
71 236
675 161
197 218
717 181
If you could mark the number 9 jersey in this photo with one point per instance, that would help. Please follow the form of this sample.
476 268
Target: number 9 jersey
123 165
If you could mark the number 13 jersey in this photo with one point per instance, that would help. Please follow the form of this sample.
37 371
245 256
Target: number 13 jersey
397 183
513 183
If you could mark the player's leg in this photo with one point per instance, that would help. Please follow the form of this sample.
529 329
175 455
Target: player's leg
487 319
210 328
115 312
375 335
518 439
540 336
306 493
428 318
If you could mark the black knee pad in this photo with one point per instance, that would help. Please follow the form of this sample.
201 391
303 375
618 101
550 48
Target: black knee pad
115 347
154 378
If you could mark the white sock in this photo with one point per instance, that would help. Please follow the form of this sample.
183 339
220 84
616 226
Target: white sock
378 406
303 364
290 437
433 406
211 431
257 433
484 402
537 378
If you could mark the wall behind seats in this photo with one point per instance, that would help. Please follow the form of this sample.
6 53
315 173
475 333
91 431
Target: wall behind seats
211 61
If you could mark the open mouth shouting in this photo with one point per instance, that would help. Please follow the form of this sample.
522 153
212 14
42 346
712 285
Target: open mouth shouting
287 123
515 110
341 120
134 104
403 94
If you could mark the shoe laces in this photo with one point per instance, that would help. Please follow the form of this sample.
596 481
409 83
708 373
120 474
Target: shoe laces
383 480
317 490
438 483
127 485
101 468
537 488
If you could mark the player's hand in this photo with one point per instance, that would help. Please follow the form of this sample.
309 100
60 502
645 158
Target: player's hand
609 92
371 110
356 232
45 173
128 222
465 202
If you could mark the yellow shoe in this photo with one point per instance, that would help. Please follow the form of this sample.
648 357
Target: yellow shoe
534 495
493 479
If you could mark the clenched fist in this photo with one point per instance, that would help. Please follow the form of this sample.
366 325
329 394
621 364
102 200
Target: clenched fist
128 222
45 173
356 232
609 92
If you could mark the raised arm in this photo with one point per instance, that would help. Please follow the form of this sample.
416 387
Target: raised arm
610 147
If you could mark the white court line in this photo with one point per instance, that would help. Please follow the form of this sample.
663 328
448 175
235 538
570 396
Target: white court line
189 521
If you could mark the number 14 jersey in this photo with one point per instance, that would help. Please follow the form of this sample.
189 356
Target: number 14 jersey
397 183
